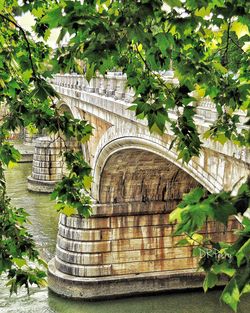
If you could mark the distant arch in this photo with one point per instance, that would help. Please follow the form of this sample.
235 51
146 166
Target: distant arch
71 109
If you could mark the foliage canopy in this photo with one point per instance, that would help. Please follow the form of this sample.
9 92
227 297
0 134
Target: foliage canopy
205 43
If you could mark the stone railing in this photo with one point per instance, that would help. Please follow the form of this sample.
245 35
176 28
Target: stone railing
114 85
111 85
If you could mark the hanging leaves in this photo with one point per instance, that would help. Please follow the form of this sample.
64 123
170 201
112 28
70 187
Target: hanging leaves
205 44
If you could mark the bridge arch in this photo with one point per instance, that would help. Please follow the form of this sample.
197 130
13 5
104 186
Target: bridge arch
63 106
113 145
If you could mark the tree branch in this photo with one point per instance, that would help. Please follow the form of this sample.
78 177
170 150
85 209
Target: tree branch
236 44
160 80
25 38
227 44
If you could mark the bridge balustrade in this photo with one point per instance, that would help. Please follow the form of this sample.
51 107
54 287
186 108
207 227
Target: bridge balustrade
114 85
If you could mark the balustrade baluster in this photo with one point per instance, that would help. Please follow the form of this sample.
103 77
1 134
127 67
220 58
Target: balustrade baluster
121 87
111 86
91 85
98 83
103 85
129 95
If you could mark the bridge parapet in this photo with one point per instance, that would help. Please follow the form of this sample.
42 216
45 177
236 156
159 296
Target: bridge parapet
114 85
111 85
103 109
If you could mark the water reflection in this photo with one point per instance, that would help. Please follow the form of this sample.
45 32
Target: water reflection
191 302
44 229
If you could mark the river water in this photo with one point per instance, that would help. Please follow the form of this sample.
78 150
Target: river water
44 228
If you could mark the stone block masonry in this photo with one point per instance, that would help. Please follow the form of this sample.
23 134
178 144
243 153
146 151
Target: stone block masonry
119 253
47 166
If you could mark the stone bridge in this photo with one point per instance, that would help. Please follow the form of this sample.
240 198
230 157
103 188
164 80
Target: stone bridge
126 247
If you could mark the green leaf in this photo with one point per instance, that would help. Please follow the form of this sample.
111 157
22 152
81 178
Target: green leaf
193 217
53 17
223 211
197 238
246 289
244 252
202 12
68 210
173 3
220 68
198 252
2 4
224 268
37 12
210 281
240 29
162 42
231 294
27 75
194 196
207 134
87 181
175 215
43 263
186 101
47 34
183 242
221 138
156 129
19 262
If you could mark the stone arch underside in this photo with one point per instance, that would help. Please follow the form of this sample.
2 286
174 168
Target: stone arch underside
135 175
112 142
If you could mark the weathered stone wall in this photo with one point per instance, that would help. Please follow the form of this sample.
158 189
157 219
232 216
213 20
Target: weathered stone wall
126 243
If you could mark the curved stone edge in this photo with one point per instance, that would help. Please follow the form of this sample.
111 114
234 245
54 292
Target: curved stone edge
40 185
98 288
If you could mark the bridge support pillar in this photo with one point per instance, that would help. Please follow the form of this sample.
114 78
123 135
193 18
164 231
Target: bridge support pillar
47 166
124 249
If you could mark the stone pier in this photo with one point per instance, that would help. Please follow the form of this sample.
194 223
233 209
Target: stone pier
124 250
48 165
